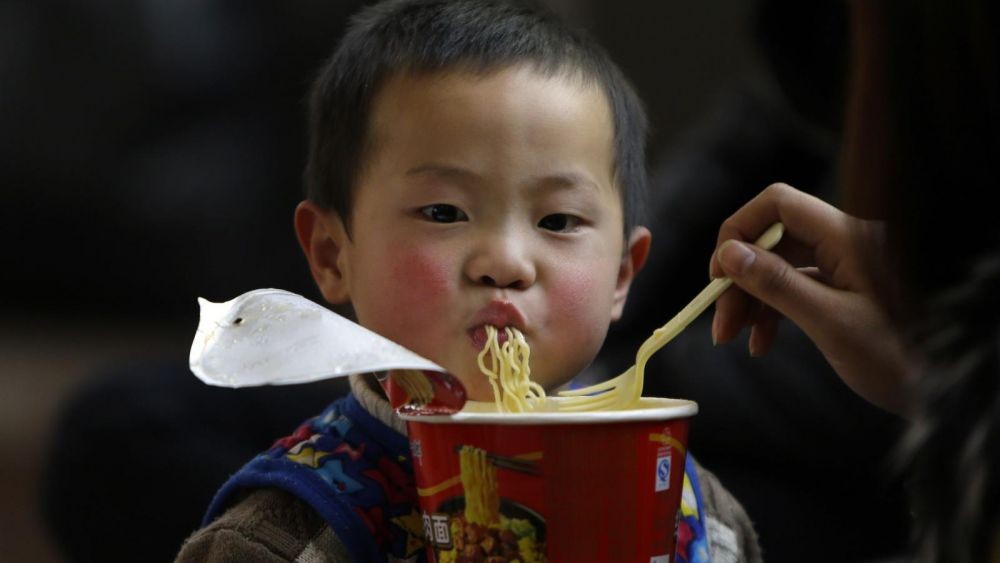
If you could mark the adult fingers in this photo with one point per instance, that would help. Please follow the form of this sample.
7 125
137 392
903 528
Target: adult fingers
764 330
764 327
809 222
770 279
733 311
743 310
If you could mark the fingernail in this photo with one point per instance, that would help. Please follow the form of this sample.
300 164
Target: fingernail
753 345
735 256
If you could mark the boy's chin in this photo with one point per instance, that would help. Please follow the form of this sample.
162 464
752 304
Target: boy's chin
477 387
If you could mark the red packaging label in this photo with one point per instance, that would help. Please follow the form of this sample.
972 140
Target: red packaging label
567 492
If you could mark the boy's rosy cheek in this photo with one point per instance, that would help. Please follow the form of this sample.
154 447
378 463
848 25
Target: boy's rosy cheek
420 279
575 296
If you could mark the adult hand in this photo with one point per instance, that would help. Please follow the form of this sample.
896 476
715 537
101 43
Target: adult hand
816 277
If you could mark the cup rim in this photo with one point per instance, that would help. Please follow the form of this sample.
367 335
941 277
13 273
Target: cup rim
479 412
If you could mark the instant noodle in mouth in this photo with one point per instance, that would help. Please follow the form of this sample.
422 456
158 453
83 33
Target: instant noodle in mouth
507 366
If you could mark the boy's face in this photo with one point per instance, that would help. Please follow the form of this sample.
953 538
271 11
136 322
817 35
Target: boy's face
484 200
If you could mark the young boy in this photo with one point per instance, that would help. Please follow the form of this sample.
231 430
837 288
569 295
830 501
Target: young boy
472 163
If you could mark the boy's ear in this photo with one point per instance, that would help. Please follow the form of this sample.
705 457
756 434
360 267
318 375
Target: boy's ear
322 236
633 261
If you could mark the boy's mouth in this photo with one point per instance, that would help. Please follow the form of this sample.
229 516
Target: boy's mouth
478 336
500 314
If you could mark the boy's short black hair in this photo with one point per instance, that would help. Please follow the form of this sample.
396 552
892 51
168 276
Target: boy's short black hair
418 36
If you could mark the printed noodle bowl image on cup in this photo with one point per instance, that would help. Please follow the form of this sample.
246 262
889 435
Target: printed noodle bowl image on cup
550 485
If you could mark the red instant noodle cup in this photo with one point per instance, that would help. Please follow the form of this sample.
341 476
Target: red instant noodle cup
594 486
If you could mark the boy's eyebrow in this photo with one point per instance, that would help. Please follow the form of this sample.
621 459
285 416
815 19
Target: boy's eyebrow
445 170
559 180
562 180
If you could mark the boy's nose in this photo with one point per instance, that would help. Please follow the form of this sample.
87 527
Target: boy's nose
501 263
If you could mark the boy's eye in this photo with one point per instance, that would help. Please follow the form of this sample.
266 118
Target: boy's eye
559 222
444 213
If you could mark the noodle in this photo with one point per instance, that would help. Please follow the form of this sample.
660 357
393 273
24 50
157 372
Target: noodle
509 372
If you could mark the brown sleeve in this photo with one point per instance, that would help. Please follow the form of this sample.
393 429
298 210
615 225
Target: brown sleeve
731 535
267 525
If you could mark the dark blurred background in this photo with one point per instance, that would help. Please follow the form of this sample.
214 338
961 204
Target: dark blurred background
152 149
151 152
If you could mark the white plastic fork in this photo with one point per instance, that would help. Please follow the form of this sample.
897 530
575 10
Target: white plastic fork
623 391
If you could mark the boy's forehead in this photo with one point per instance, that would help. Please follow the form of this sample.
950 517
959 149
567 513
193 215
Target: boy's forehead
412 104
512 124
404 87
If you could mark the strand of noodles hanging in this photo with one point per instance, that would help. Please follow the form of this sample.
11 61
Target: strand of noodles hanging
531 392
491 373
509 372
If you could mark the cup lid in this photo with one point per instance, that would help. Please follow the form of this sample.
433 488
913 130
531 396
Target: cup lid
481 412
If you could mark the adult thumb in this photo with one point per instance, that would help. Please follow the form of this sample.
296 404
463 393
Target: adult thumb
736 258
772 280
